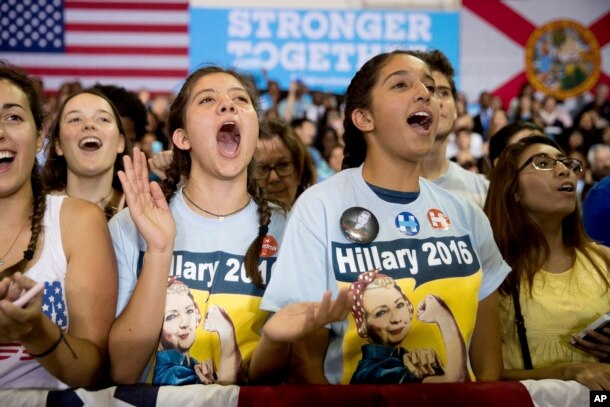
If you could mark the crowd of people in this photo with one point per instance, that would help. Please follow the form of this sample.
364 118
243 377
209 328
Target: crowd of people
234 235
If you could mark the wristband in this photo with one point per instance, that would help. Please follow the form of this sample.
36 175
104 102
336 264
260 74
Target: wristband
52 347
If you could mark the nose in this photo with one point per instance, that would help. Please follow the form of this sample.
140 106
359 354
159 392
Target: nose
88 124
561 169
226 105
273 175
423 93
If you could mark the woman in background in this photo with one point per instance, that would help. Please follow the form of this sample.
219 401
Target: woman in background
560 280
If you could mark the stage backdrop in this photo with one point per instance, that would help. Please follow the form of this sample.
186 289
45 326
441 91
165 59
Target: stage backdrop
561 46
322 48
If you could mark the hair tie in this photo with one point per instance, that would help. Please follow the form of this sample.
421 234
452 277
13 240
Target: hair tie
262 230
28 254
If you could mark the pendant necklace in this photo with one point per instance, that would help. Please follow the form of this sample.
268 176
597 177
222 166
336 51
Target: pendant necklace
220 217
101 203
13 244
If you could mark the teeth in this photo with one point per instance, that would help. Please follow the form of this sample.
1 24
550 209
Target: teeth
6 154
90 140
423 114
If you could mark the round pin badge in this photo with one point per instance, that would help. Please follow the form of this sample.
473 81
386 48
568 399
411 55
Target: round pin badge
359 225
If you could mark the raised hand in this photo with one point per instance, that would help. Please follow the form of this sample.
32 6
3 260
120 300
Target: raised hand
147 205
297 320
161 162
217 320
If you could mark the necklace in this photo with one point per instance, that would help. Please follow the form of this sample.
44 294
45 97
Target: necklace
101 202
220 217
13 244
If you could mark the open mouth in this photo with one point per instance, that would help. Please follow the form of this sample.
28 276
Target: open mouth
420 119
228 139
90 144
6 157
566 188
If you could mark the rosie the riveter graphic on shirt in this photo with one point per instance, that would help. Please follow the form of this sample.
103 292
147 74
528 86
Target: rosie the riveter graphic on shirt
383 313
182 317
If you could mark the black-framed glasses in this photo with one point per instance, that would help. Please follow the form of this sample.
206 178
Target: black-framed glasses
282 169
543 162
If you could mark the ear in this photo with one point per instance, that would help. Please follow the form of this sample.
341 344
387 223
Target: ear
363 120
40 140
121 147
58 149
181 140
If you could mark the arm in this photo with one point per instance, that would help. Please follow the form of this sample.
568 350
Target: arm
135 333
90 291
217 320
486 344
434 309
290 101
596 376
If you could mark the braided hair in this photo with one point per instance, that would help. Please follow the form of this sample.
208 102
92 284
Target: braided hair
181 163
39 192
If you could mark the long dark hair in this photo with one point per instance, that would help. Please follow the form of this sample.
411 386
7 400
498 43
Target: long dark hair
181 163
521 240
55 171
39 192
358 96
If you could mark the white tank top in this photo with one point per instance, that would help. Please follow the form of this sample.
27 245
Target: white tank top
17 367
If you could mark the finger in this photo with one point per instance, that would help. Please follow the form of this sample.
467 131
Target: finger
321 316
411 367
139 165
341 306
600 337
158 196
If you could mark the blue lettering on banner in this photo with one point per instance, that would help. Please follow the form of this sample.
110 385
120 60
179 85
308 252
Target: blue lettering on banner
216 272
323 48
421 259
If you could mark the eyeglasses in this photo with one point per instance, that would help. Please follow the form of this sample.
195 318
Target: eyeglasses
543 162
282 169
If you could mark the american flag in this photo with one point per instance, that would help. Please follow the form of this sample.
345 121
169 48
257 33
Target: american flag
53 306
138 44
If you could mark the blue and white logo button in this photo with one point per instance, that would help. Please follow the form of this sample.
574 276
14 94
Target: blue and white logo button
407 223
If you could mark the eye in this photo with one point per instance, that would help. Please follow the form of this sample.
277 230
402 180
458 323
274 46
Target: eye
170 317
380 313
73 119
14 118
400 85
443 93
243 99
545 162
206 99
283 165
400 305
105 119
431 89
190 311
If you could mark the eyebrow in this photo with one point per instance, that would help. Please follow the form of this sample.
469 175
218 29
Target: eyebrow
211 90
7 106
402 72
80 111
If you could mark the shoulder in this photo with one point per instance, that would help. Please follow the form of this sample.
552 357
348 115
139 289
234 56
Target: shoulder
75 211
468 177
